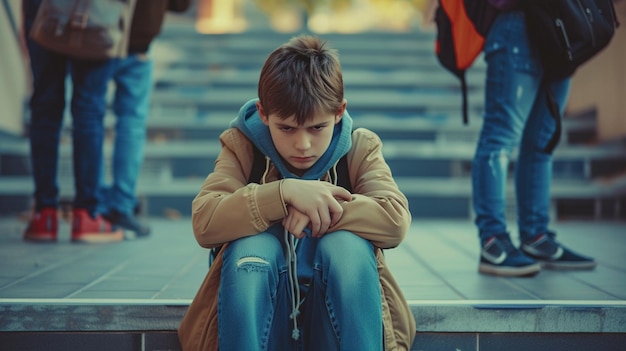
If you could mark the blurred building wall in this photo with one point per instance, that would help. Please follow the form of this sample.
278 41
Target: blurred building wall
600 84
14 71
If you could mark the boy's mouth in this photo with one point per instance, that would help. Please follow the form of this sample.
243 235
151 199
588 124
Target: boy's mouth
301 159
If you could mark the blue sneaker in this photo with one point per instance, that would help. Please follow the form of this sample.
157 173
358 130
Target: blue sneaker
500 257
552 255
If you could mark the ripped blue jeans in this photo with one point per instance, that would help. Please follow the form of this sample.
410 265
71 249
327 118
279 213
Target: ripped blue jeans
341 310
516 117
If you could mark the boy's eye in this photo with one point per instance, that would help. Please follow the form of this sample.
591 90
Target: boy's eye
318 128
286 129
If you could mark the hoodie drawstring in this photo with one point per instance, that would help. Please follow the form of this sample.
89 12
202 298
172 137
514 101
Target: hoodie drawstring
292 268
292 271
334 176
292 260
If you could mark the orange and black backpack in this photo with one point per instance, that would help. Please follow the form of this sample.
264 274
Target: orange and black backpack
462 26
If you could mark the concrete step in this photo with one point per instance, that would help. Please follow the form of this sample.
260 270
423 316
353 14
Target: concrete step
382 101
179 158
175 123
392 80
428 197
134 325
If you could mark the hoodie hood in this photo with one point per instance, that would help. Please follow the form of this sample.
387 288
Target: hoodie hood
249 123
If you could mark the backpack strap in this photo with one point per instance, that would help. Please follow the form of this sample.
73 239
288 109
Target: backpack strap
343 176
555 112
258 165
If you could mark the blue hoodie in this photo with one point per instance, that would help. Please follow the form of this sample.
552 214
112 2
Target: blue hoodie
249 122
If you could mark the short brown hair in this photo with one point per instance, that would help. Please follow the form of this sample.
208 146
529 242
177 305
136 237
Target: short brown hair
301 78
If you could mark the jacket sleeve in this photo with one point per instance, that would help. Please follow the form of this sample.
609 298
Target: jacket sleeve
379 211
227 208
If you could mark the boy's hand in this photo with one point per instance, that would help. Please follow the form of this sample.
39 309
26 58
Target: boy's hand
295 222
319 201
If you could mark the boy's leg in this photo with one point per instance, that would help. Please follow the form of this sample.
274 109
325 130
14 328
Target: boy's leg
90 81
513 79
253 295
133 78
533 182
533 170
47 105
343 306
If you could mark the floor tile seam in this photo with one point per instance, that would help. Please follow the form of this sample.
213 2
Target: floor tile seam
593 286
443 239
48 268
184 270
412 252
100 279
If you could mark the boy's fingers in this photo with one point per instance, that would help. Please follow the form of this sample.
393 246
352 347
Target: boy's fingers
335 212
341 193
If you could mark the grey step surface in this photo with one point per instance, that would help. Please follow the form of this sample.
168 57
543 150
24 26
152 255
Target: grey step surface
438 260
133 294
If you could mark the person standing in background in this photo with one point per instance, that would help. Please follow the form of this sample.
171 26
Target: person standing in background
517 114
47 105
133 86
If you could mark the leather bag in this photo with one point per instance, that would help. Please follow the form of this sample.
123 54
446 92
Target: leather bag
84 29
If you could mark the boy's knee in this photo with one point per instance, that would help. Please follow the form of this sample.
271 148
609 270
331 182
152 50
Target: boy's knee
255 253
252 264
344 245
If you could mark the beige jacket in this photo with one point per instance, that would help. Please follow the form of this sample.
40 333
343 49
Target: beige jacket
227 208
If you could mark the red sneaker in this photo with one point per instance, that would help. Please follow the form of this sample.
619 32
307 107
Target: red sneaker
43 226
93 230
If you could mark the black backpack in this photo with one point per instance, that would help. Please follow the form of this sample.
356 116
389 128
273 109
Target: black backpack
567 33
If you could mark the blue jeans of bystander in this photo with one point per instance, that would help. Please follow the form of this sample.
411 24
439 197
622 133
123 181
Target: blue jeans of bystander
88 105
516 116
131 103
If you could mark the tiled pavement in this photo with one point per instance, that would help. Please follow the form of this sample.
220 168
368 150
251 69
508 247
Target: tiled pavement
437 261
132 295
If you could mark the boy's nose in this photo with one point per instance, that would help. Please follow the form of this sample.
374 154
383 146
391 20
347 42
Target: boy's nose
303 142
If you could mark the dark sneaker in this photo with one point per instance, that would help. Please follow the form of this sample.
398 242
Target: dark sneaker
134 228
500 257
91 230
553 255
43 226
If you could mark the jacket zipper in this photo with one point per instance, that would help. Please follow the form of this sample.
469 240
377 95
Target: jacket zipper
561 26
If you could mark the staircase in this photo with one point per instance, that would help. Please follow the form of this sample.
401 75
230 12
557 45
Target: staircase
394 86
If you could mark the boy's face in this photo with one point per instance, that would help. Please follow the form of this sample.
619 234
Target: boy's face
301 146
